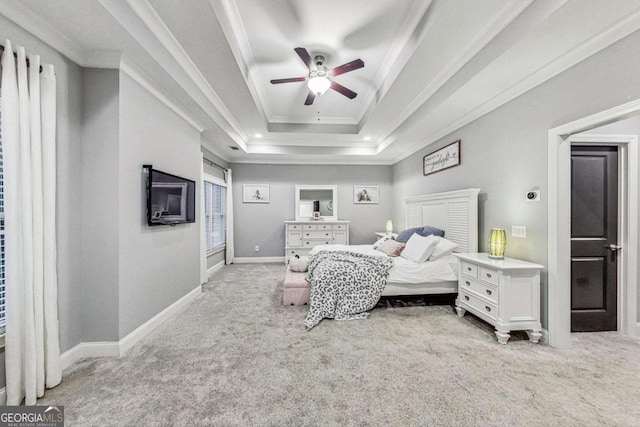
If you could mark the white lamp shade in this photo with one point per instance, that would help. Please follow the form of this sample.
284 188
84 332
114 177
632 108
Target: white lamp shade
318 85
389 227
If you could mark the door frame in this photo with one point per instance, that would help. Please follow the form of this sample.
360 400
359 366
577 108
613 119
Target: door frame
559 221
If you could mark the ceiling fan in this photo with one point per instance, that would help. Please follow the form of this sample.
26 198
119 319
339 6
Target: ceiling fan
320 77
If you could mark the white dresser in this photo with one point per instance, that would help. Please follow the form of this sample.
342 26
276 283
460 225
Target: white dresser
504 293
301 236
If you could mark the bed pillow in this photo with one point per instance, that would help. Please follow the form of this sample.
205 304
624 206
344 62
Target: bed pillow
443 248
419 248
432 231
380 241
403 236
391 247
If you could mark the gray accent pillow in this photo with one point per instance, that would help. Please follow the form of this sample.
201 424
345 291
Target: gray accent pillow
404 236
432 231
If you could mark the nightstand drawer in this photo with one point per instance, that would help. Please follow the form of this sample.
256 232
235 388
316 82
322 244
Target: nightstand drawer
489 275
480 306
487 291
469 269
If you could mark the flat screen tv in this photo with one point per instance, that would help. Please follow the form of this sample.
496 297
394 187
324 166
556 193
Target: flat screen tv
171 199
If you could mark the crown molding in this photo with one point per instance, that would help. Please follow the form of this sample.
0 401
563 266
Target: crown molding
42 29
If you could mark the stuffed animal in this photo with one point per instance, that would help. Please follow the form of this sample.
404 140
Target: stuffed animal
299 264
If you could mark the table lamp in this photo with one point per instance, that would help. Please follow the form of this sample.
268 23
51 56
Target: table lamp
497 243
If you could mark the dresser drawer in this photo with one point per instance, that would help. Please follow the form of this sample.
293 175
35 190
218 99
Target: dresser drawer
312 243
487 291
310 227
291 253
339 226
294 226
479 306
324 226
317 235
469 269
489 275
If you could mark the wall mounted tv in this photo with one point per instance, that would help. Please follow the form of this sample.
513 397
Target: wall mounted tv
171 199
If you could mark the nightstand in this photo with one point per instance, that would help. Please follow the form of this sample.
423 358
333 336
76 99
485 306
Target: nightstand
504 293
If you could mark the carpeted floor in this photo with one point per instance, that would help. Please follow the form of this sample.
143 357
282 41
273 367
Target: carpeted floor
236 356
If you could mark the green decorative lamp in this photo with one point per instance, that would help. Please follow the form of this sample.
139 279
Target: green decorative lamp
497 243
389 226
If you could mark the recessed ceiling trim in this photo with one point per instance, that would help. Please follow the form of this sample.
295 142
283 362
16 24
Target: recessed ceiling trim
483 37
591 46
311 143
146 26
323 119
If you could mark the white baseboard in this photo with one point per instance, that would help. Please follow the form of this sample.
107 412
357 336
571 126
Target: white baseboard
258 260
211 271
3 396
638 329
545 337
120 348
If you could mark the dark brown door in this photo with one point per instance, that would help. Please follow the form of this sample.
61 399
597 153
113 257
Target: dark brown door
594 232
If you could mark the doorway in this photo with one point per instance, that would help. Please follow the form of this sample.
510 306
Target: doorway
594 238
558 287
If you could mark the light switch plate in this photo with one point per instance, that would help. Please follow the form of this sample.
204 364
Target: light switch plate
519 231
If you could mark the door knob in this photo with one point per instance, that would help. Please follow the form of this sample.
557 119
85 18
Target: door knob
613 248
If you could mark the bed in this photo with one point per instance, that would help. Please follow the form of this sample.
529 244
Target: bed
455 212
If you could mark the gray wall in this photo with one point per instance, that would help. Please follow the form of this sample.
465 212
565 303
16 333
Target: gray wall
100 205
158 265
262 223
69 179
505 152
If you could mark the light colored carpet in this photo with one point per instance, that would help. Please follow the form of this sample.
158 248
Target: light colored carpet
236 356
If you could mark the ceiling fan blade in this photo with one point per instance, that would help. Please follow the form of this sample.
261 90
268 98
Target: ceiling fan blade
310 98
349 66
289 80
306 58
343 90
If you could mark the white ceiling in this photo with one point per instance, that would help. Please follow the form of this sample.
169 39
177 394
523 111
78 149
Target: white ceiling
430 66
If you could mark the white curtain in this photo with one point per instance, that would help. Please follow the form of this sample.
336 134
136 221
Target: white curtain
229 255
32 351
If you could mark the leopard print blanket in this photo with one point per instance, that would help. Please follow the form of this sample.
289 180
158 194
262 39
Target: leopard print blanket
345 285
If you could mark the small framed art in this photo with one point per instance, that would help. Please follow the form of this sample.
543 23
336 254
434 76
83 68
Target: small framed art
255 193
443 158
365 194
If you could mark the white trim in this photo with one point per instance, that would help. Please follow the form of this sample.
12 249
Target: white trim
545 337
638 329
258 260
3 396
559 222
213 270
214 180
120 348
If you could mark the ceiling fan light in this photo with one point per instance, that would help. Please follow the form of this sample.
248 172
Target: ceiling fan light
319 85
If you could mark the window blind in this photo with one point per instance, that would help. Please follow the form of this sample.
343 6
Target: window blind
2 256
215 215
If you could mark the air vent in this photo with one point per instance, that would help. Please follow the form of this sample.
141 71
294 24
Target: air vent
233 147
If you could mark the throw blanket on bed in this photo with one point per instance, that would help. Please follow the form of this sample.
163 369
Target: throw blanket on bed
344 285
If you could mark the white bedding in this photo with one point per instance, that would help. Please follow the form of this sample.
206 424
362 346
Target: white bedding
403 270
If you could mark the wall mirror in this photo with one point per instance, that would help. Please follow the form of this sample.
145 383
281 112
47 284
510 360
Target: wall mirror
316 198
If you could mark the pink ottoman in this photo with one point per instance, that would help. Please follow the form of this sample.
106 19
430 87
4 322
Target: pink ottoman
296 289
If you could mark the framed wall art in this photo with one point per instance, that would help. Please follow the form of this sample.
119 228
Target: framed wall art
365 194
441 159
255 193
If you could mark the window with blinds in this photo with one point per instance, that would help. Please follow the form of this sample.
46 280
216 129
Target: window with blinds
215 198
2 257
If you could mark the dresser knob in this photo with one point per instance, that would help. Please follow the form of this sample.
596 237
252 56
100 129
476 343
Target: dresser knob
488 275
468 268
466 298
467 282
489 292
487 308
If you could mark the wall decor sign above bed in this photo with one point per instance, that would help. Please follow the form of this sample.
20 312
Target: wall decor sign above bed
443 158
366 194
255 193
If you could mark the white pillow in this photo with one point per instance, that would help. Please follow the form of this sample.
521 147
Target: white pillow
419 248
444 247
380 241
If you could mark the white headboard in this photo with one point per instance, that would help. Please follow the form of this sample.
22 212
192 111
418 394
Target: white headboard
456 212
